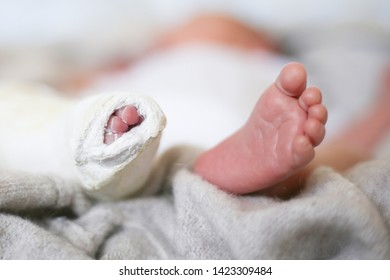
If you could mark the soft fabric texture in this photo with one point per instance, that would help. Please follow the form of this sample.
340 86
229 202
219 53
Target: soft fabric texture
180 216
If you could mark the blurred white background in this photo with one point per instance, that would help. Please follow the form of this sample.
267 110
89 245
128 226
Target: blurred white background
38 22
84 31
345 44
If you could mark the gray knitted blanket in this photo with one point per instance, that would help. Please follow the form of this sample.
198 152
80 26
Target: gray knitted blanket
179 216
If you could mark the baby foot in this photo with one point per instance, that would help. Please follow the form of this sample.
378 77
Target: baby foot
277 141
121 121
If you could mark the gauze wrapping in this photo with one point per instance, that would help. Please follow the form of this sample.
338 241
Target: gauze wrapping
47 133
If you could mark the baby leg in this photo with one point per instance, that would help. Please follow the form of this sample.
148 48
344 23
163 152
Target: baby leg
115 138
104 143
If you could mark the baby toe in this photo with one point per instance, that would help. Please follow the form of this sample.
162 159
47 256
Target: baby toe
302 150
315 130
292 79
318 112
310 97
129 115
116 124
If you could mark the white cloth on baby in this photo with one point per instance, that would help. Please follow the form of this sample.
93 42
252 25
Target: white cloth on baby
205 91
